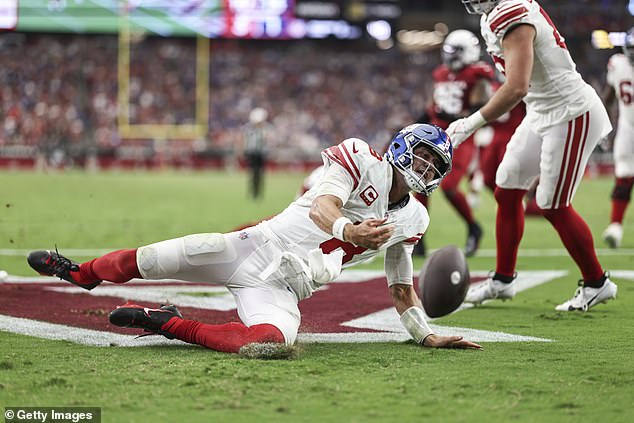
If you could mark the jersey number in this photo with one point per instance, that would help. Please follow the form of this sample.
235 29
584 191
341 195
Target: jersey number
349 249
625 92
558 38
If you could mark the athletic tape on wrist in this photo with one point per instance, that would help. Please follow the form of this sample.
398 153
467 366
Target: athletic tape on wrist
414 321
337 227
476 120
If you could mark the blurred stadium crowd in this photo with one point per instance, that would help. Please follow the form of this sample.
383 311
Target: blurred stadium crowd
58 93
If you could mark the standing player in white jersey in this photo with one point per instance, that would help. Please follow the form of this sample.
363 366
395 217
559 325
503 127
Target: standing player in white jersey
620 79
564 122
360 206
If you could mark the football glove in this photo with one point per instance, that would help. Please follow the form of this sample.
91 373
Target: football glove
461 129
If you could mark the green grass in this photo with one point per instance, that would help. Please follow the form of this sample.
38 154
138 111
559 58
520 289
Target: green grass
586 374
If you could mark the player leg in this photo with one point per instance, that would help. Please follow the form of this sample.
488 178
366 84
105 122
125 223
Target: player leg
624 172
562 169
118 267
519 167
450 186
490 158
268 314
168 321
267 308
200 257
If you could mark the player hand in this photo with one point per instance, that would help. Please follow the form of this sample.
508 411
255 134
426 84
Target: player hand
437 341
458 131
371 233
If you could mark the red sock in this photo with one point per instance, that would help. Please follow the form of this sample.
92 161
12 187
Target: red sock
225 338
621 195
459 202
577 238
618 210
118 267
509 228
532 209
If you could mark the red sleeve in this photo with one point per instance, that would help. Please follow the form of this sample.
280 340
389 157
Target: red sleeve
506 15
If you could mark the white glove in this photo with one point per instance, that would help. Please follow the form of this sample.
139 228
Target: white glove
461 129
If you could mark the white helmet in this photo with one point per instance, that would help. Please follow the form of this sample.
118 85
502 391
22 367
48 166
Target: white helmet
478 7
258 115
461 48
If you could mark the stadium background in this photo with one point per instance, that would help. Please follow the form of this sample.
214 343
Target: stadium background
137 84
82 92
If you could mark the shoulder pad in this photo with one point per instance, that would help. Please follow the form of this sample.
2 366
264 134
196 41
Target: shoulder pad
482 70
354 155
506 15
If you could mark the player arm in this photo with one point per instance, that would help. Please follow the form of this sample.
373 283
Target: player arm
519 58
399 269
326 212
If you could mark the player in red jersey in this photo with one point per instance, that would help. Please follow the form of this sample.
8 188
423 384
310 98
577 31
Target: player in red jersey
461 85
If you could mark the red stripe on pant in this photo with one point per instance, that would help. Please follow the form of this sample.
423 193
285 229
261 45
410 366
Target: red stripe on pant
565 171
568 190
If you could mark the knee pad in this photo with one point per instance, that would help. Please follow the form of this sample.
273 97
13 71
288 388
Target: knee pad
164 259
199 247
623 189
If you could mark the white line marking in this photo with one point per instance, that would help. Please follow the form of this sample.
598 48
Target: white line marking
97 338
523 252
73 334
386 320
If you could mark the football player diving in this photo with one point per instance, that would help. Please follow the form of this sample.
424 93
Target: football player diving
360 206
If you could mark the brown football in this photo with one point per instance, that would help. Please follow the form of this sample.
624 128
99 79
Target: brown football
443 281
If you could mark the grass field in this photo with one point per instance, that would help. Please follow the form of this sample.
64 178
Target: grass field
586 373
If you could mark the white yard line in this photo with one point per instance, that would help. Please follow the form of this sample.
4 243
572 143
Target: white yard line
523 252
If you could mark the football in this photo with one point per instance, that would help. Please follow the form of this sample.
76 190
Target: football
443 281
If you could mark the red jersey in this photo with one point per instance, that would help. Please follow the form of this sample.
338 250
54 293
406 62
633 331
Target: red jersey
452 91
505 125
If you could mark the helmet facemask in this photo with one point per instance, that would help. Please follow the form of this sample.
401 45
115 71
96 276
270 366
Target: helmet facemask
479 7
422 154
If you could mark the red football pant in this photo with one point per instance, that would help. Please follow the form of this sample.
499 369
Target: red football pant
460 164
229 337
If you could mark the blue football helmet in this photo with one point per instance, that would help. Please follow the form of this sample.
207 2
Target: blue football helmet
400 154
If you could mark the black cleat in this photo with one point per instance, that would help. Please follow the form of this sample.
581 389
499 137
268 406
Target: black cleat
52 263
473 239
150 320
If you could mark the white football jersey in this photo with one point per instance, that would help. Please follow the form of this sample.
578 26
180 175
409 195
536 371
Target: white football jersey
557 92
368 177
621 76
